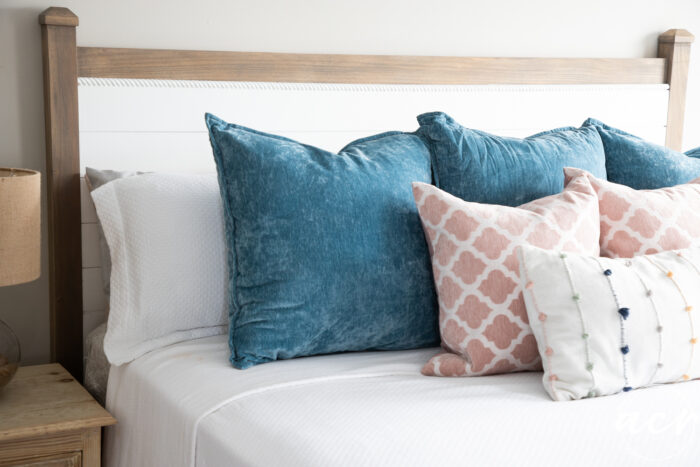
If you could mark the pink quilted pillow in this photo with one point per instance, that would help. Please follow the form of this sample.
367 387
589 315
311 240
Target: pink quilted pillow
644 222
483 322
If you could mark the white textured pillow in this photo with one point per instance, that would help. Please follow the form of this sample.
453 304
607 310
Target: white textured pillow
169 276
609 325
95 178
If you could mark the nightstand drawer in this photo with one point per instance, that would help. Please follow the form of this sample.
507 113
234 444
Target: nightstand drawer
80 448
72 459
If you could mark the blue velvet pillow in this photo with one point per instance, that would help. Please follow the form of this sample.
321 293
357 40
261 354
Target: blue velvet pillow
480 167
326 251
639 164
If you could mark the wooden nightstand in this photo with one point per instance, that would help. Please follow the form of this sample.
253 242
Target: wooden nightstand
48 419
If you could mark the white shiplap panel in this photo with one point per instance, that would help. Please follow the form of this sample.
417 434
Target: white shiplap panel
191 152
163 152
148 105
114 112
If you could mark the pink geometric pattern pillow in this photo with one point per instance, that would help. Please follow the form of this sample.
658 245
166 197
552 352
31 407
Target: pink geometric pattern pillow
483 321
644 222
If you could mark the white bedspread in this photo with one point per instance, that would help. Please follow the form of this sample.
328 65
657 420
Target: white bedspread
184 405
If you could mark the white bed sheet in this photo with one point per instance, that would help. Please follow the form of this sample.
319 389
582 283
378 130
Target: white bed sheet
184 405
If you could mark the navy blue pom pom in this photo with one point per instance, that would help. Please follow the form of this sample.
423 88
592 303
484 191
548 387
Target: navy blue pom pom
627 389
607 272
624 312
625 350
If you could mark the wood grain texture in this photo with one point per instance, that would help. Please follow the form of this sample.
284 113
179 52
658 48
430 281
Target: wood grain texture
674 47
48 419
352 69
92 447
58 16
25 450
59 55
70 459
44 400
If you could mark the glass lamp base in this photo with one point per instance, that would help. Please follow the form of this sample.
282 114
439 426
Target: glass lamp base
9 354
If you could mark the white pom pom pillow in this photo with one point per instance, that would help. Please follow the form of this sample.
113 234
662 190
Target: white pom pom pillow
605 325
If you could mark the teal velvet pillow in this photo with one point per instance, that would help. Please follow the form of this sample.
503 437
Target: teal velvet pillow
639 164
480 167
326 251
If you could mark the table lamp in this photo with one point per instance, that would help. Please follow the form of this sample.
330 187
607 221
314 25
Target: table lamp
20 249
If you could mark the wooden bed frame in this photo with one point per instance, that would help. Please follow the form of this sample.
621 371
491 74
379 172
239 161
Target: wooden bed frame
64 62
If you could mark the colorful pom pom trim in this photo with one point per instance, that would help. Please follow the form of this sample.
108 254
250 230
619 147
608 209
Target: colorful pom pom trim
659 327
688 308
584 331
543 318
623 313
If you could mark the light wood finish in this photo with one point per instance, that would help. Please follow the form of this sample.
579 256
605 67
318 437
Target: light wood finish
674 46
72 459
57 16
45 413
26 450
63 186
64 62
46 399
92 440
376 69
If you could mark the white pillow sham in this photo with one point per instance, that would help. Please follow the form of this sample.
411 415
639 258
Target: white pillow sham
95 178
169 276
605 325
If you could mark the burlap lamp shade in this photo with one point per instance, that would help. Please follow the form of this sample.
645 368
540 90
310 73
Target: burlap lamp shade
20 235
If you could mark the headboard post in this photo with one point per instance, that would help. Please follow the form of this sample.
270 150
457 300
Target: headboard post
60 59
674 46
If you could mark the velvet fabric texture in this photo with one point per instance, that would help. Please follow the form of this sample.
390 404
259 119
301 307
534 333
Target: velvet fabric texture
480 167
642 165
326 251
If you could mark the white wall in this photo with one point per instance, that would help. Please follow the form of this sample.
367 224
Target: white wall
548 28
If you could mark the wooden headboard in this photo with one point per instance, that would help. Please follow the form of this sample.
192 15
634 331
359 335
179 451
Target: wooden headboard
64 62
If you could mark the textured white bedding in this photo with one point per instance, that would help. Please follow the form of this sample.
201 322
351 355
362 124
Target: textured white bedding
184 405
